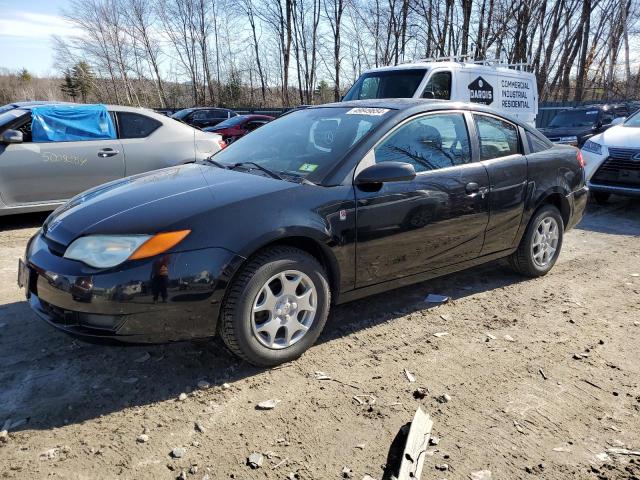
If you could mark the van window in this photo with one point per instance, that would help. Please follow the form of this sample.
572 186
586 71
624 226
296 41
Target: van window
438 87
497 138
401 83
429 142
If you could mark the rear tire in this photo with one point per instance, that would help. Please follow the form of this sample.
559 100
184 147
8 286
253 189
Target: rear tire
276 307
541 244
601 198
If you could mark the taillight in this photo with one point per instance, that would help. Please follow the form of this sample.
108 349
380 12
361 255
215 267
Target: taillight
580 159
222 144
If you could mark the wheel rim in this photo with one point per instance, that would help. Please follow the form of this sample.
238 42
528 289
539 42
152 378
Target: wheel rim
284 309
545 242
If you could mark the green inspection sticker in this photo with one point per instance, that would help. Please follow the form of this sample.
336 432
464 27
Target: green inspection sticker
308 167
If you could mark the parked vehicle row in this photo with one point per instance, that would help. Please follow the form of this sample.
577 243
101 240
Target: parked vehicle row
236 127
49 153
576 125
613 160
322 206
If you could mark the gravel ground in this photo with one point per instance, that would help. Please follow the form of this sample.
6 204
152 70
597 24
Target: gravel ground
543 377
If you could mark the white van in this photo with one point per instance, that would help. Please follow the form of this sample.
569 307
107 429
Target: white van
504 88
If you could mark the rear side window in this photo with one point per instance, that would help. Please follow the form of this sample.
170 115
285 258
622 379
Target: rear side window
537 144
428 143
134 125
438 86
497 138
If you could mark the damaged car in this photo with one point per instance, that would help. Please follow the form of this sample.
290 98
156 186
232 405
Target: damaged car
319 207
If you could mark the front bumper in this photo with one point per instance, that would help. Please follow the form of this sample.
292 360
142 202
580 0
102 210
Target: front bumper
131 302
616 189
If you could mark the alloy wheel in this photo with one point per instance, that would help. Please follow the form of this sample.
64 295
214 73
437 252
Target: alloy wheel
545 242
284 309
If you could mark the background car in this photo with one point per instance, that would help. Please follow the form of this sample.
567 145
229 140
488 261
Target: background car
202 117
257 242
41 175
238 126
30 103
612 160
576 125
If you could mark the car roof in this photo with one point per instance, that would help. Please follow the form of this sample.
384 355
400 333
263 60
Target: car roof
411 103
412 106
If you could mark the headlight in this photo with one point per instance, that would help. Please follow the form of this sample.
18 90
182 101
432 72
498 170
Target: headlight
593 147
105 251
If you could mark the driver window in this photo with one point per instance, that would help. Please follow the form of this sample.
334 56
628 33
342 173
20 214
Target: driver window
369 88
438 87
428 143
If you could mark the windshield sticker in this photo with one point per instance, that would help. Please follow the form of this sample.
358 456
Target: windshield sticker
308 167
592 112
375 112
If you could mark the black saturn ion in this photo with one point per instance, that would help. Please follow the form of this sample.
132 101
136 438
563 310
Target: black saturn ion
322 206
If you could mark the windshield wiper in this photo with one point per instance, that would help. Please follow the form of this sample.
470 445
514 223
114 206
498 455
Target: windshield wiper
259 167
217 164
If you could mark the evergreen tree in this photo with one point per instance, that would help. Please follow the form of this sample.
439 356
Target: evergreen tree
69 87
83 79
24 75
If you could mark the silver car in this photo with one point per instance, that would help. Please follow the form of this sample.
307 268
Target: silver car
40 176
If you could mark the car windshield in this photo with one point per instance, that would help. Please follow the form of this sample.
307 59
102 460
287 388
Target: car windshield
386 84
6 108
180 114
305 143
575 118
633 120
9 116
231 122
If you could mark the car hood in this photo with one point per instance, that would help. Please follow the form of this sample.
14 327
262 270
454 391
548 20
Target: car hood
619 136
162 200
565 131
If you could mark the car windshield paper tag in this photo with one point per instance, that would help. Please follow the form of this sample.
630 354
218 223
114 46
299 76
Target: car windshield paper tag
592 112
308 167
375 112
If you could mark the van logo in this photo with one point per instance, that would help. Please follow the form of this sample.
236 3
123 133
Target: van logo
481 91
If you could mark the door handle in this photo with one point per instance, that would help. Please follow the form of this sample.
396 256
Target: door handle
472 188
107 152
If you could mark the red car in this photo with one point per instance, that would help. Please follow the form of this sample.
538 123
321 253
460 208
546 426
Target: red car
236 127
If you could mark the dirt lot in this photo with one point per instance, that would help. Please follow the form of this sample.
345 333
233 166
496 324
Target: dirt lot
543 375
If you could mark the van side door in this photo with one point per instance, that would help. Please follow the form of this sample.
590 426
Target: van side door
501 152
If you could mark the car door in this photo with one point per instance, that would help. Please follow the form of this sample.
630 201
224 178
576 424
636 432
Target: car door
50 172
437 219
501 152
148 144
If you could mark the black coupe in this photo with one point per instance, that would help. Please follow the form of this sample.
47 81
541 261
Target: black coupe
322 206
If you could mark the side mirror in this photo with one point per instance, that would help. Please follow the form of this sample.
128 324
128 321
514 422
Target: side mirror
386 172
429 95
12 136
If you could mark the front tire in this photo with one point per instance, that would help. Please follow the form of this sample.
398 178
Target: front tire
540 247
276 307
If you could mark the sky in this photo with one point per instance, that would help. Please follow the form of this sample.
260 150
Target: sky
26 27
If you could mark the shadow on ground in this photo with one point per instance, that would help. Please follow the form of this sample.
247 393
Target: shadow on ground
50 379
620 216
28 220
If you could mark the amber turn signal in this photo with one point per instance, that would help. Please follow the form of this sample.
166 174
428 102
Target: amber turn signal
158 244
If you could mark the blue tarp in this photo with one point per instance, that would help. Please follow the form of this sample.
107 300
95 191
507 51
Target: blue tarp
68 123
